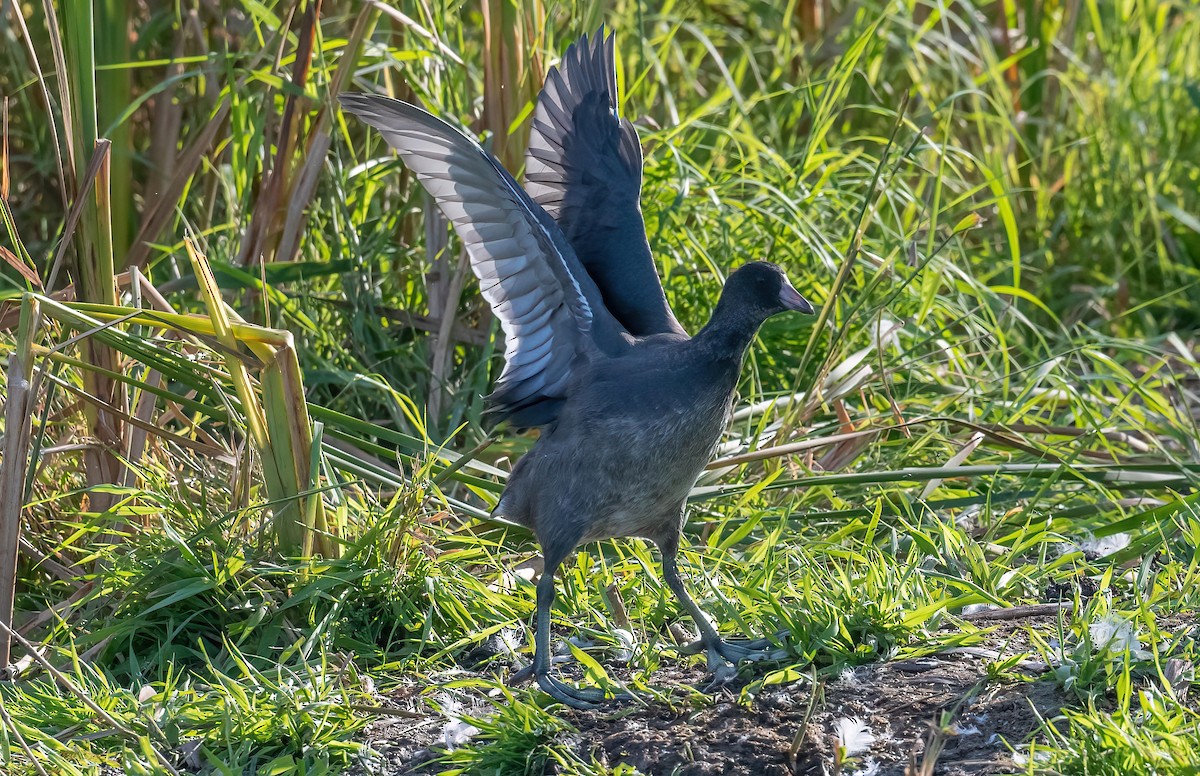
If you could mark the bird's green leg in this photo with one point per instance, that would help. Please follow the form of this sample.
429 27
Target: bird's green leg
723 654
576 698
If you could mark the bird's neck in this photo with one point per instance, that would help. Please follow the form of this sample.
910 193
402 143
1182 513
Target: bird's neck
728 332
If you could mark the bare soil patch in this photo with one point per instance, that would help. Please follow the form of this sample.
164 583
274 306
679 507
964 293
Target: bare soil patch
900 704
942 708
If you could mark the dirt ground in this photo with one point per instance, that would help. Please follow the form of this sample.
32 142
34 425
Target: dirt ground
940 712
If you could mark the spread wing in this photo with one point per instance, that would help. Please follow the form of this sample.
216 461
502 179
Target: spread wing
584 166
546 303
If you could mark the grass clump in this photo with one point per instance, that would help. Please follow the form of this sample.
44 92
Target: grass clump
1162 736
174 601
513 737
244 721
840 606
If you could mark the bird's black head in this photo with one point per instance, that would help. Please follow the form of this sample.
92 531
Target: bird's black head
761 287
752 294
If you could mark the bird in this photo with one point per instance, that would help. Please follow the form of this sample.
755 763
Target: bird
629 406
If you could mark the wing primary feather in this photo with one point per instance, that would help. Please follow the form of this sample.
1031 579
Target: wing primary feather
584 167
527 269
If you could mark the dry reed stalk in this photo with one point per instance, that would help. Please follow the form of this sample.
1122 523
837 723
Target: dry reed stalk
162 211
18 420
262 237
319 138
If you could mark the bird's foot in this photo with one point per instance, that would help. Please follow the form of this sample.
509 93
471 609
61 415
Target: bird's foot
527 673
724 655
582 698
742 649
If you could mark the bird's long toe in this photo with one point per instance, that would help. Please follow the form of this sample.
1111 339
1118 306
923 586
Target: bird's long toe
760 643
724 656
763 643
520 677
750 650
528 672
723 672
582 698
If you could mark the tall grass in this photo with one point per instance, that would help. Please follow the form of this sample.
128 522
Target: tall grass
280 399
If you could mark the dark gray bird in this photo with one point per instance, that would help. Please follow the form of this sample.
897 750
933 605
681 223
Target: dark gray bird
630 407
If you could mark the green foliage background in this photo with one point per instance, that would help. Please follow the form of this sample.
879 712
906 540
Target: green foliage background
997 203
